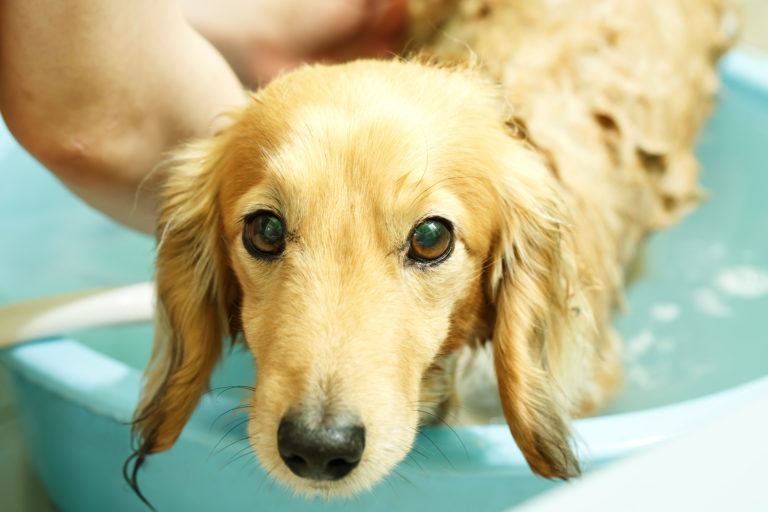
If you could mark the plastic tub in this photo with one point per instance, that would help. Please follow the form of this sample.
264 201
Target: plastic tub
695 343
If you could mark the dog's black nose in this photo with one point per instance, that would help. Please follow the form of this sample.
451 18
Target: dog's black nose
321 453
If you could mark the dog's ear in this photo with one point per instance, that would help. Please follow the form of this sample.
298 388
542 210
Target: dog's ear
197 298
531 282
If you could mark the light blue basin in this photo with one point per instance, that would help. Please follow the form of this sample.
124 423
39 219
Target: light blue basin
696 346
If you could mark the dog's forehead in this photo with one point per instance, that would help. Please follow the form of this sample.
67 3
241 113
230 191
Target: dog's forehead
328 146
330 158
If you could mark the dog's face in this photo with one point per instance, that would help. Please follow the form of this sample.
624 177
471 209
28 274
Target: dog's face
358 240
357 224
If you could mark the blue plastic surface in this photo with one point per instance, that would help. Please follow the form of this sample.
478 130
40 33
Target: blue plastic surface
696 345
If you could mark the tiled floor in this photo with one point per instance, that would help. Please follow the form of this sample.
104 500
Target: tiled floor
20 490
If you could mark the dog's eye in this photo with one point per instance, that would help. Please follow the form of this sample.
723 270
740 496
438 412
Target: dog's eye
264 234
431 241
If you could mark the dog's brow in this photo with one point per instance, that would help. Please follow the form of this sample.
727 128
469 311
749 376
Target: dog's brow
253 208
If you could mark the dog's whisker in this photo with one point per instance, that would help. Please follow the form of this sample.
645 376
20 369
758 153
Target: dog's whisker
408 458
241 450
235 422
404 478
248 450
439 450
236 441
238 418
240 422
453 431
419 452
391 485
228 411
246 462
224 389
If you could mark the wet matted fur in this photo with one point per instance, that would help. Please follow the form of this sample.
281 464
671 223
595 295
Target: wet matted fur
554 136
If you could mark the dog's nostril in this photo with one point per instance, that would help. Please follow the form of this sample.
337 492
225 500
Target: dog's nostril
322 453
339 468
297 464
294 461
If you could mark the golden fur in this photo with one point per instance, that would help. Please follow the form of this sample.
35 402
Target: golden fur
555 135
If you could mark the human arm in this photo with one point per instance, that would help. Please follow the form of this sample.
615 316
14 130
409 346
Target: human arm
99 91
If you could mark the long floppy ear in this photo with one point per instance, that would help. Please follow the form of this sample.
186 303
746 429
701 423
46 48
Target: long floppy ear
197 301
532 282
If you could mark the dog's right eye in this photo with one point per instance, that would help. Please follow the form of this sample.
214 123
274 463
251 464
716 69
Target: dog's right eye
431 241
264 235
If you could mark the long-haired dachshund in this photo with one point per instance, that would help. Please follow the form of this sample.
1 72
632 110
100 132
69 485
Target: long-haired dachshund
357 225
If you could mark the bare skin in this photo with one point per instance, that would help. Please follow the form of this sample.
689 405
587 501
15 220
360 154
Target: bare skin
99 92
260 38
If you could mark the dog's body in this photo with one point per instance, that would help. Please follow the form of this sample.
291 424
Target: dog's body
612 95
540 169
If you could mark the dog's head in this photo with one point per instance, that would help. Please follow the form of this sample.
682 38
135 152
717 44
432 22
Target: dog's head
357 223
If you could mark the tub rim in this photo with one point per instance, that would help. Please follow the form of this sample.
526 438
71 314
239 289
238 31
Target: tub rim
111 389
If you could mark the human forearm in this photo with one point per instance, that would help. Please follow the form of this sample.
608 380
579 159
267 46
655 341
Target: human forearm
99 91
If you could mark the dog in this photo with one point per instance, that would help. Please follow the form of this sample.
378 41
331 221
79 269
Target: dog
357 226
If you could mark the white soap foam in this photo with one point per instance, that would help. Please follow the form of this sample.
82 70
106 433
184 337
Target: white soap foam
638 345
665 311
709 302
743 281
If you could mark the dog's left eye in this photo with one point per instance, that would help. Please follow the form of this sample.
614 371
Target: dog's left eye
264 235
431 241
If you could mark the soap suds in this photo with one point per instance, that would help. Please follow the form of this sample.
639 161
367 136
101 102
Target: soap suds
638 345
743 281
709 302
665 311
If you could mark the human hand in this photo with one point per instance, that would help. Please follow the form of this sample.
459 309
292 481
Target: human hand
261 38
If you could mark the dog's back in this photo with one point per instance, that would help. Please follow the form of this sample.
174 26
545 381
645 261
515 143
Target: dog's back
613 92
